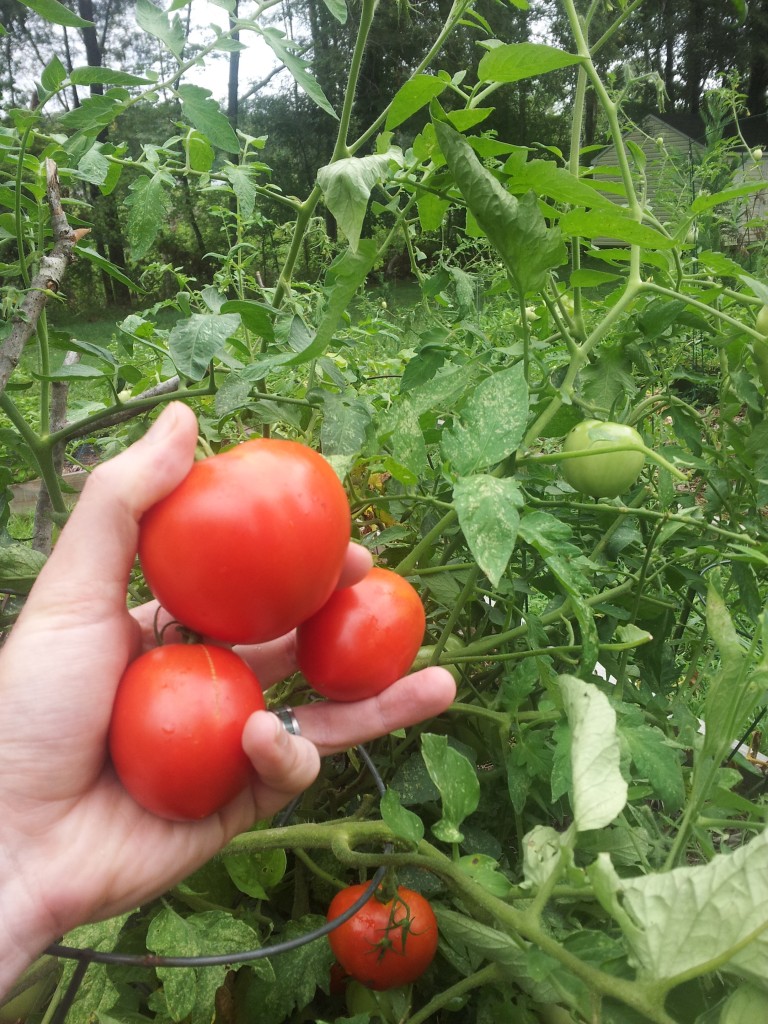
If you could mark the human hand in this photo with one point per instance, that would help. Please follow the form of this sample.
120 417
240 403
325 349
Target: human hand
74 846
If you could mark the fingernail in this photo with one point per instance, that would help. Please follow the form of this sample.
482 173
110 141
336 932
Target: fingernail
164 425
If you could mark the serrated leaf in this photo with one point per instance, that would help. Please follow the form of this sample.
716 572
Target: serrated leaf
456 779
105 76
297 974
404 823
492 422
513 62
342 435
658 762
157 23
19 567
431 209
347 186
686 920
604 223
95 112
599 789
413 96
204 113
147 202
515 227
53 75
488 511
57 13
194 342
298 68
108 267
243 187
93 166
257 872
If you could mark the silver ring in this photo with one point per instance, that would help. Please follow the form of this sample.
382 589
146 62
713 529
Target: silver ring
288 720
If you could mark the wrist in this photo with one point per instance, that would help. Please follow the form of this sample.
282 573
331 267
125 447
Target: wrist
23 936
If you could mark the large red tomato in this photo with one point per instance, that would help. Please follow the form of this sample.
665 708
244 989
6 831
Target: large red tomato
250 543
363 639
387 943
177 725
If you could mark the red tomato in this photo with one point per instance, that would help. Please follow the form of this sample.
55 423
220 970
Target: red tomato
364 637
385 944
250 544
177 725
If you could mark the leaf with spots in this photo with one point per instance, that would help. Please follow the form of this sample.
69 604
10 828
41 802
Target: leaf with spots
491 424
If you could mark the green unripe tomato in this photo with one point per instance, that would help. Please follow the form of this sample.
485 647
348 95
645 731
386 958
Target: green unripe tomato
760 348
605 472
761 323
453 645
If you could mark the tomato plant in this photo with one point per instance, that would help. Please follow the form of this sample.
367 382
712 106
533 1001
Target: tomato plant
388 942
363 639
250 543
177 723
611 467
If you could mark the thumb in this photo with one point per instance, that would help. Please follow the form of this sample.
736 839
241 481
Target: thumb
97 547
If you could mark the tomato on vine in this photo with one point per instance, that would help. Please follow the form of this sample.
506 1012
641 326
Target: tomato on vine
609 466
363 639
175 738
388 942
250 544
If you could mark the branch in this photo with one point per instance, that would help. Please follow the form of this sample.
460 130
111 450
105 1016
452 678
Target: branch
47 280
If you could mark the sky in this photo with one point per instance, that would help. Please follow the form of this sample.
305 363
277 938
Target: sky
255 62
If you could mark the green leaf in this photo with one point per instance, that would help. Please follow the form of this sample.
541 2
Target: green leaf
93 114
488 511
53 75
656 761
19 567
106 76
693 920
257 317
515 227
57 13
194 342
345 275
492 422
484 870
413 96
706 202
109 268
205 114
456 779
404 823
69 373
338 9
147 203
542 851
604 223
545 178
243 187
599 789
745 1006
281 47
256 873
513 62
463 120
297 974
200 154
431 209
93 166
552 537
345 424
157 23
347 186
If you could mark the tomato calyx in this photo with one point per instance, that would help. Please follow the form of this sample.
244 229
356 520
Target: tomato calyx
183 634
402 926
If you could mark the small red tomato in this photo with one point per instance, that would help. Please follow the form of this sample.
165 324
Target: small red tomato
250 543
387 943
364 637
177 725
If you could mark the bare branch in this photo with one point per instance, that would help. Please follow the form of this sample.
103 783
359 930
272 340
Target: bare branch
53 267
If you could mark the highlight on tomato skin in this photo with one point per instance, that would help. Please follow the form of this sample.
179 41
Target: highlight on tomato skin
363 639
388 943
175 737
250 544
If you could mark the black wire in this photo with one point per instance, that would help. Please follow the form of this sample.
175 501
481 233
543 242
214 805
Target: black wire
87 956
